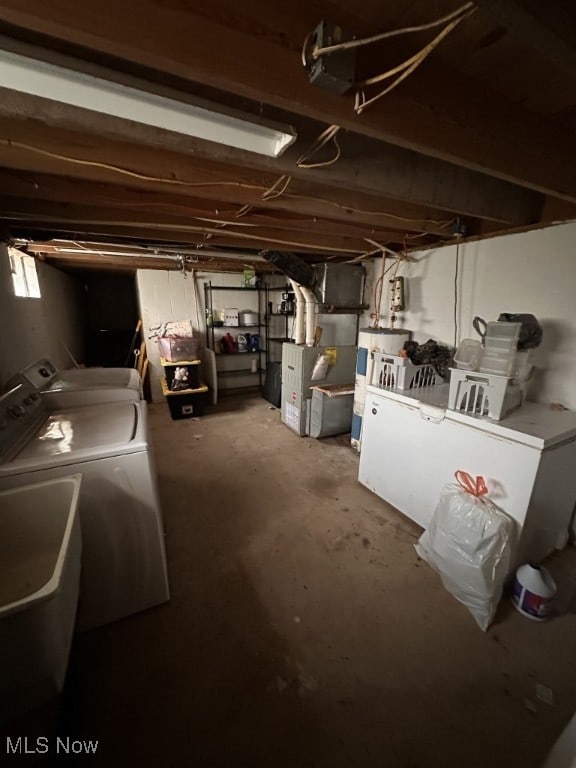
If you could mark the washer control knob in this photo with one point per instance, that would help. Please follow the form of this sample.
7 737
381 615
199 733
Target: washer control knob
17 411
44 372
374 411
33 396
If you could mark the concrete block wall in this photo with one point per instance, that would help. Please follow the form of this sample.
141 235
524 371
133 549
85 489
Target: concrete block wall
168 295
34 328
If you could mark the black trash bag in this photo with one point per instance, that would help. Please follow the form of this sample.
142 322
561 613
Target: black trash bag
430 353
530 332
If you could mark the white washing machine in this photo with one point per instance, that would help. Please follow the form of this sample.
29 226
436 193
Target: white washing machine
81 386
123 561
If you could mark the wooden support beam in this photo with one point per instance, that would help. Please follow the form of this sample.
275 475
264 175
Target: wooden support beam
365 165
97 159
107 261
436 111
59 215
19 186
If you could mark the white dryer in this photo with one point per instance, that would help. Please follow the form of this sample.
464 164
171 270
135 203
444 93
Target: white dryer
123 562
81 386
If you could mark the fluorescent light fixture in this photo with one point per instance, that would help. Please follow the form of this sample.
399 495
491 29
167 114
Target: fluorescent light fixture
38 78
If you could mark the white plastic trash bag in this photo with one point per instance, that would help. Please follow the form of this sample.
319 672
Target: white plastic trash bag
469 544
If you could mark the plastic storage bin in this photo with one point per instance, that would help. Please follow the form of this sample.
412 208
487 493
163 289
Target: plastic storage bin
483 394
504 332
186 403
174 349
193 375
392 372
468 354
497 362
522 366
500 343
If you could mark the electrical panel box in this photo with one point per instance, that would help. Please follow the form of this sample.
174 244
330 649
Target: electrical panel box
331 71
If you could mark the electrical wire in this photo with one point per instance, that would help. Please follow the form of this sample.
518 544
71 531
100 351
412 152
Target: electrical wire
406 67
327 135
456 295
119 169
317 52
206 231
442 224
277 189
244 210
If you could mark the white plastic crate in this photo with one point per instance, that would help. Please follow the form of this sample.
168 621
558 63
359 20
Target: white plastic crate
483 394
393 372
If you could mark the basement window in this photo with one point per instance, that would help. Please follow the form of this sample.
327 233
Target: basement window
24 276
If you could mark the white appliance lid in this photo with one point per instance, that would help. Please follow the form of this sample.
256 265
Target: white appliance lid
533 424
83 434
96 377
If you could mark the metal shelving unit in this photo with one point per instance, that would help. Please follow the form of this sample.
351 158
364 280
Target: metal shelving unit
242 357
272 341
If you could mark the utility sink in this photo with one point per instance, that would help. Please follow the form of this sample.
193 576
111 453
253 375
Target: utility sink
40 549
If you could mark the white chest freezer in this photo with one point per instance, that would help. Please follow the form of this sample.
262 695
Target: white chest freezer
412 445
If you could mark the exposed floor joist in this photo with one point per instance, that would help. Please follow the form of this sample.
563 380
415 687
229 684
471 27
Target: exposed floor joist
475 141
436 112
365 165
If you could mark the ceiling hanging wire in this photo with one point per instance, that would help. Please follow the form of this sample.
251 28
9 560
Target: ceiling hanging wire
403 70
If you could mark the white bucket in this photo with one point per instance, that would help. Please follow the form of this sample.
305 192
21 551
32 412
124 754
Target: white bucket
534 591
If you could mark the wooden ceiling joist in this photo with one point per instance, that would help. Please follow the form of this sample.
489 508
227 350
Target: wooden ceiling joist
163 171
477 140
438 112
23 186
365 166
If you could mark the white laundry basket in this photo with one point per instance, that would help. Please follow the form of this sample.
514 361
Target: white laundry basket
483 394
393 372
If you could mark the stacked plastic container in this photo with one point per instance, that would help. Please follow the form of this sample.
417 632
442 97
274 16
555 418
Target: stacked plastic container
500 344
489 381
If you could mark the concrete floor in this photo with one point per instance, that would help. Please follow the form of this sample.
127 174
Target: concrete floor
303 630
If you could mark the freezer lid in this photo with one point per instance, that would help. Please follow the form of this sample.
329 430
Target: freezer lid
533 424
82 434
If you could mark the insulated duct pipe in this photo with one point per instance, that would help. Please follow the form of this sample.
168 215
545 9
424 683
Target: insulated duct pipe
300 310
310 315
292 266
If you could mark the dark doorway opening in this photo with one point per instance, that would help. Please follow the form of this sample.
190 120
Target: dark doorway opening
111 315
